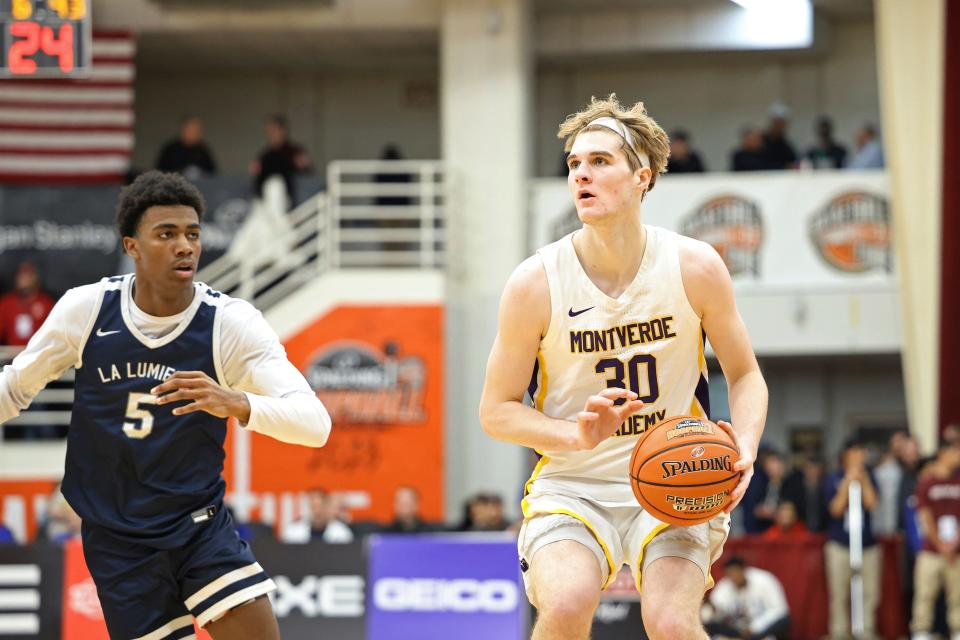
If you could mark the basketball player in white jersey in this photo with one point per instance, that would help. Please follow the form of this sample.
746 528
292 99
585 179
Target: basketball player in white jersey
609 322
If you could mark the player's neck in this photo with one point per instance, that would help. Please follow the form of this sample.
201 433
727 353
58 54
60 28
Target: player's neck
161 301
611 255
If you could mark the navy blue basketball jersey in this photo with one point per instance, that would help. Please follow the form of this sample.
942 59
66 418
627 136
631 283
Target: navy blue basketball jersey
132 466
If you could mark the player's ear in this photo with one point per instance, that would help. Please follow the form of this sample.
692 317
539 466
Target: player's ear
642 177
130 247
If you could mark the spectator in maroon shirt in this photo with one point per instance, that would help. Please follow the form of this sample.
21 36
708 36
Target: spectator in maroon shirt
24 309
938 564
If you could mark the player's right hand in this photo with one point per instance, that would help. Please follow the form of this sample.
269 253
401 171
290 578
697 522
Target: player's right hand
601 417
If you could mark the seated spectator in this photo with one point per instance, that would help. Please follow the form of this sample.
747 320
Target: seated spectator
484 512
406 513
777 150
938 563
683 159
6 536
749 156
321 523
869 154
280 157
826 153
23 309
853 467
786 524
747 603
188 153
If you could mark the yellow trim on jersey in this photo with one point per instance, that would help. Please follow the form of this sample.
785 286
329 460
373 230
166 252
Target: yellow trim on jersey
695 409
544 459
611 572
701 358
643 547
542 393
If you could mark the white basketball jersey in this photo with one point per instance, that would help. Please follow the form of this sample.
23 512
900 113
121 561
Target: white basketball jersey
649 339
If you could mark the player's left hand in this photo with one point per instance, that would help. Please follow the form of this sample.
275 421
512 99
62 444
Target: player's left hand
748 455
205 393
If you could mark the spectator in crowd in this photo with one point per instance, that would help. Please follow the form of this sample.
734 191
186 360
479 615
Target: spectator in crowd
778 151
786 524
749 156
188 153
765 493
321 523
61 523
484 512
747 603
406 512
869 154
683 159
280 157
889 477
826 153
951 433
6 536
23 309
938 563
837 550
804 487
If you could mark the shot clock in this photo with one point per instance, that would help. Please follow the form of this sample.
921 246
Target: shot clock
44 38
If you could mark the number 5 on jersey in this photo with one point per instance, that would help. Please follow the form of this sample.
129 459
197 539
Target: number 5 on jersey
134 412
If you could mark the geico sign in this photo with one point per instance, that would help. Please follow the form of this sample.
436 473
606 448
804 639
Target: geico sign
431 594
329 596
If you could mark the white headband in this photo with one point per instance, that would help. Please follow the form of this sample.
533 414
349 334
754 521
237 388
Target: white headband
621 130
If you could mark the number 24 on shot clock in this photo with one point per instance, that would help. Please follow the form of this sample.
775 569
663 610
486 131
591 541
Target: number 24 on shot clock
44 38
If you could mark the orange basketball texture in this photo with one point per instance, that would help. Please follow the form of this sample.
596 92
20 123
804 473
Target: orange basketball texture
681 471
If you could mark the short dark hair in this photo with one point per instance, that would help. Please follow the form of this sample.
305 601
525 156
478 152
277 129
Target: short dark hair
735 561
680 134
278 119
152 189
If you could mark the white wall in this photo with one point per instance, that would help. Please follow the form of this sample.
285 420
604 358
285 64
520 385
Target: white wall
714 95
337 115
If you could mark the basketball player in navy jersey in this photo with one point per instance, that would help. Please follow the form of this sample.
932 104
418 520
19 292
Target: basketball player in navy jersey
162 362
605 329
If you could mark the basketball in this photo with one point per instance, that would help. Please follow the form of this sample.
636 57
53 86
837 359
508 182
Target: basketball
681 471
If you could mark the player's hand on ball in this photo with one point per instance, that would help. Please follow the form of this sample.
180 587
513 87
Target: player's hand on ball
601 417
205 393
748 455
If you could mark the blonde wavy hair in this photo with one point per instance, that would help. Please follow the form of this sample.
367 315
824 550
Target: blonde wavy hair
647 134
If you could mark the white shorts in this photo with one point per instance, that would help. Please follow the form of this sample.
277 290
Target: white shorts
616 535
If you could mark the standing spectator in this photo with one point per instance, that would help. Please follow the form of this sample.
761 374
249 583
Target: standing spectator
869 154
826 153
837 550
24 309
786 524
805 488
748 603
889 476
778 151
749 156
938 563
188 154
280 157
683 159
765 493
406 512
321 523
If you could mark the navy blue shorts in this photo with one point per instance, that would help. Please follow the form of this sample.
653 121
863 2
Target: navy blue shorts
155 594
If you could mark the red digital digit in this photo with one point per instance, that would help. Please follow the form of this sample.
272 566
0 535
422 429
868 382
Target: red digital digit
21 50
60 46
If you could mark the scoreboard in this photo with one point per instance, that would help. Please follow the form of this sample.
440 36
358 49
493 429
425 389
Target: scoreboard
45 38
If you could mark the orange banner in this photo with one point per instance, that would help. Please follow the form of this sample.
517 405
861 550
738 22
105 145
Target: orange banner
379 372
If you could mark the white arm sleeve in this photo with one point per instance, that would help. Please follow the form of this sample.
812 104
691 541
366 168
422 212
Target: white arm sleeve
54 348
282 404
